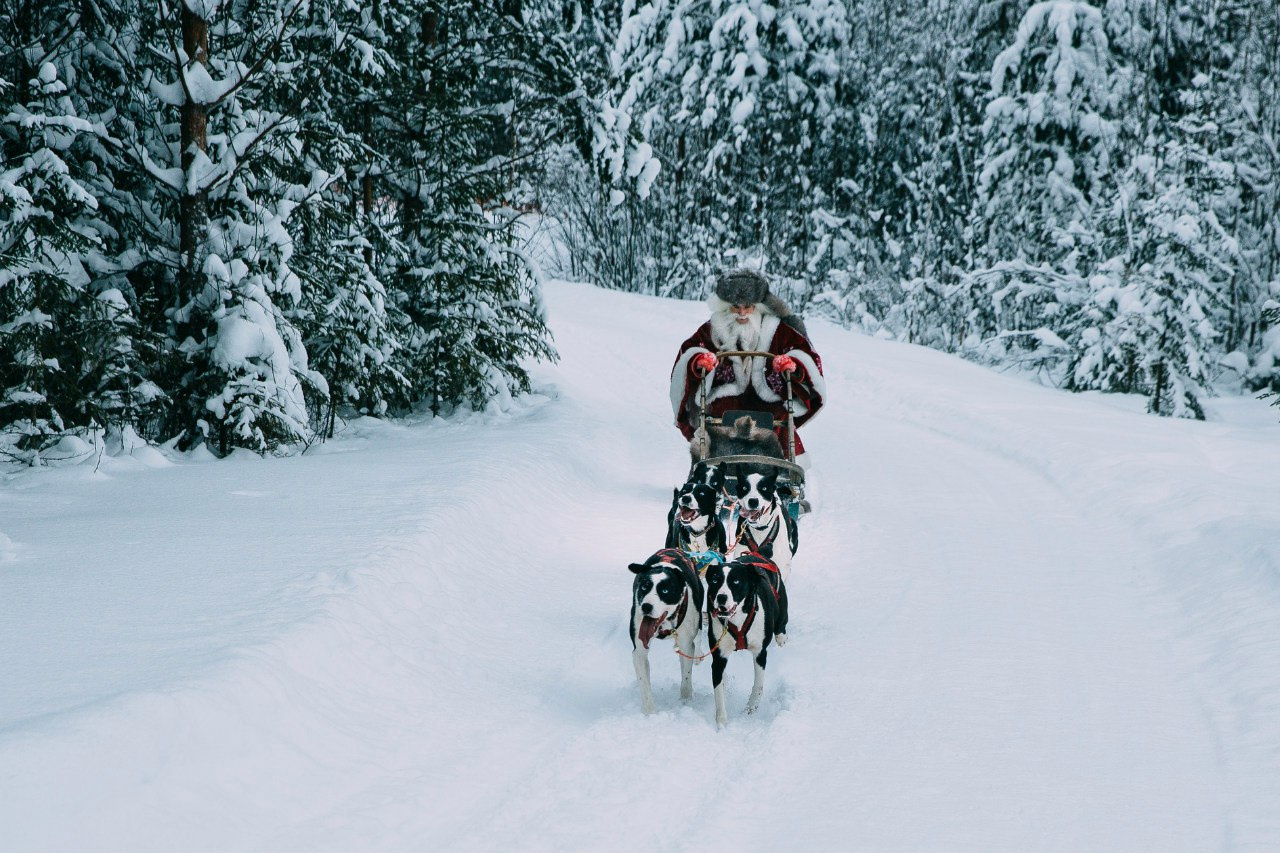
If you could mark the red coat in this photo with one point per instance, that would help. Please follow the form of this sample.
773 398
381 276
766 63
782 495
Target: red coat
756 387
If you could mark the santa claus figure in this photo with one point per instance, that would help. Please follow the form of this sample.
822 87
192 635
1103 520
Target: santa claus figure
745 316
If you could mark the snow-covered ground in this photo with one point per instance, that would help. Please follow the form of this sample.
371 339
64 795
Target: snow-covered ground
1022 620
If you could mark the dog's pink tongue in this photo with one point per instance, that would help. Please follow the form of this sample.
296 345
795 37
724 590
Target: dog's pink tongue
648 627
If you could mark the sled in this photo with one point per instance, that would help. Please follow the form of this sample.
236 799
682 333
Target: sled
759 457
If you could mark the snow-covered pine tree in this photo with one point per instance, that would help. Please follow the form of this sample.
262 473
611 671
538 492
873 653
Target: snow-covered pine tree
1151 308
1049 136
226 171
340 240
451 138
893 240
1269 358
607 237
66 361
742 103
350 329
1245 37
1157 308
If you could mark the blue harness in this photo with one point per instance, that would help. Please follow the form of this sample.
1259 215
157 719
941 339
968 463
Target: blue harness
703 559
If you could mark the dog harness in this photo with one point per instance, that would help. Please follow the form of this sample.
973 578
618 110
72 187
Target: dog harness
703 559
744 533
769 574
740 634
767 569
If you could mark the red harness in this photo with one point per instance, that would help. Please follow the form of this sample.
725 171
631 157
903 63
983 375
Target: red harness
763 564
740 634
744 532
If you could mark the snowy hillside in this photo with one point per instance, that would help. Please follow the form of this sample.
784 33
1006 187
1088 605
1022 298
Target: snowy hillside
1022 620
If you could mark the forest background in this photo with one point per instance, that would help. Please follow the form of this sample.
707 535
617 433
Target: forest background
235 222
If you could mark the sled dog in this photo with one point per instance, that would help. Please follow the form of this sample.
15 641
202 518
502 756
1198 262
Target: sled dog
666 601
747 609
707 474
764 525
694 523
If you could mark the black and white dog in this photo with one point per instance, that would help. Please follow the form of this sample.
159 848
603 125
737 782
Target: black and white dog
708 475
764 525
747 605
666 601
693 524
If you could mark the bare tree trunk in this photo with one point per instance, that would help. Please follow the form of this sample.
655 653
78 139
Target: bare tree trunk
192 214
1161 371
366 182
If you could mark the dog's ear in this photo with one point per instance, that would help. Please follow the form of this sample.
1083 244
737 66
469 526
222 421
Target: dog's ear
637 568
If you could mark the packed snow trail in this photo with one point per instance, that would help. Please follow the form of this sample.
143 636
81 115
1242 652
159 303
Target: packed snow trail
1021 620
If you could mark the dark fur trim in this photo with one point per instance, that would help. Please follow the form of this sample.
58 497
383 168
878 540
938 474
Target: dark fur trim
742 287
795 321
743 436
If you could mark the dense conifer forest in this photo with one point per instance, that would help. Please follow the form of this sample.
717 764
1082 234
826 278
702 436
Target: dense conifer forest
236 222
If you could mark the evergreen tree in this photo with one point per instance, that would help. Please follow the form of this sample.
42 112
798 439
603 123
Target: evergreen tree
1149 326
67 360
350 328
1049 134
741 102
1270 357
250 366
451 122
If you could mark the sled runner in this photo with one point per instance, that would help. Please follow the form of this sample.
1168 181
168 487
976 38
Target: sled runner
742 442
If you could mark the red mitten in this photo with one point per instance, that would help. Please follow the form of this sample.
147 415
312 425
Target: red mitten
784 364
703 363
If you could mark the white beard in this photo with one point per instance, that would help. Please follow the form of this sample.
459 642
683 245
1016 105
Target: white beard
729 334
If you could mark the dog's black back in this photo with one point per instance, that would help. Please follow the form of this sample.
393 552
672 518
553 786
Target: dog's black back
747 579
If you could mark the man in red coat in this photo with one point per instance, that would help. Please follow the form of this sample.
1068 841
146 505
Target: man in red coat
746 316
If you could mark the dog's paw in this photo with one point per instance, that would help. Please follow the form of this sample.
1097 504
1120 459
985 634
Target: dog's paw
780 639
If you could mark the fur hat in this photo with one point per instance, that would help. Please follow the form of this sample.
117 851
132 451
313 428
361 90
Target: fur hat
744 286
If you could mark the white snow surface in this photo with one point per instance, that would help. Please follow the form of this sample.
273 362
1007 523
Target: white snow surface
1021 620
